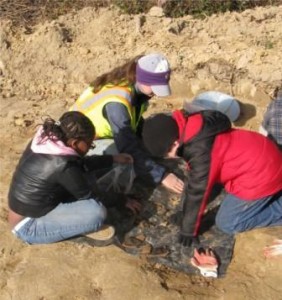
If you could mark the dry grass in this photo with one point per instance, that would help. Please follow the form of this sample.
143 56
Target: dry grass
30 12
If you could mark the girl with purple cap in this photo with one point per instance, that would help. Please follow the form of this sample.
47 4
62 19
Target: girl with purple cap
115 103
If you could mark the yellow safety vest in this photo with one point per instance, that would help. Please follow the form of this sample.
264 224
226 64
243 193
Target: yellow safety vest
92 105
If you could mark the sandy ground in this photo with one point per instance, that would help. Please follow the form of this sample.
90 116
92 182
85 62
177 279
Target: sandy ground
43 70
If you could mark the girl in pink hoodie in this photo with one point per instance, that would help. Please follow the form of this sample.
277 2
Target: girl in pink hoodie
50 197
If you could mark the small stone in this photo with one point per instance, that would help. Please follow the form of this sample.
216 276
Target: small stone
156 11
19 122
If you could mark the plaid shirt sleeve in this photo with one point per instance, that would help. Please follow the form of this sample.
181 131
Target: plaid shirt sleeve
272 121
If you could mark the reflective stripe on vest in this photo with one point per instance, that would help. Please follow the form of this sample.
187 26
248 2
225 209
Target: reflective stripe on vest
116 92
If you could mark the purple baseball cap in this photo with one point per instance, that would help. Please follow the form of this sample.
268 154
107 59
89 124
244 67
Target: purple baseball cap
153 70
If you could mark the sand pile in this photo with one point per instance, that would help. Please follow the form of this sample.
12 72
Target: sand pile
43 70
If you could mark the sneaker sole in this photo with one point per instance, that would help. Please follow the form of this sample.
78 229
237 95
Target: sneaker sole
92 242
102 235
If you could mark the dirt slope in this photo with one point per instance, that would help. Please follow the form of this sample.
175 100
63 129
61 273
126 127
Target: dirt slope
43 70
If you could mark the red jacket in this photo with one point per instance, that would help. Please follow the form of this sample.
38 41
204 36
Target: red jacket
248 164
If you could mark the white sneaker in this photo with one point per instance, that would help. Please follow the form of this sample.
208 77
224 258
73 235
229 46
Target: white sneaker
103 237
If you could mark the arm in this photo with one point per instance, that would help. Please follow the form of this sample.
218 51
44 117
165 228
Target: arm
140 128
272 122
72 178
268 115
201 177
95 162
195 198
127 142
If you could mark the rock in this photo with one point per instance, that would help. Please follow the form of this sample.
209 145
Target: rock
177 28
246 87
195 86
139 21
19 122
156 11
245 59
83 51
276 75
4 42
2 67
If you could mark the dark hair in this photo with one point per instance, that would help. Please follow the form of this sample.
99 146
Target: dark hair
71 125
125 72
159 133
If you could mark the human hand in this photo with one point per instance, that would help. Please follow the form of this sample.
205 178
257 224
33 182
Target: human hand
173 183
133 205
123 158
188 241
206 262
274 250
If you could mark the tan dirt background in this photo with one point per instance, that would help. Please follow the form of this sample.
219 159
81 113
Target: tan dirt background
44 69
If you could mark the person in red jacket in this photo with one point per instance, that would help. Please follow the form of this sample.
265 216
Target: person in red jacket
247 164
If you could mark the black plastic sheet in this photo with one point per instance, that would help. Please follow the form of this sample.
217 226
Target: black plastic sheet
154 233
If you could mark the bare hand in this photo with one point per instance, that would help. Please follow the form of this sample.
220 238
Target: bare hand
205 259
123 158
206 262
173 183
133 205
274 250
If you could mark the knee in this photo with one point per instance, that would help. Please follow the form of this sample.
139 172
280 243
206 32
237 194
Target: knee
97 211
224 224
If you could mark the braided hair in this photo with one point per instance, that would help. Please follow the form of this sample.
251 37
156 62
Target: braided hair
71 125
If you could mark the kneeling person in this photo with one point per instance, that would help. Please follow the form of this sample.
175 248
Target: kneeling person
247 164
50 197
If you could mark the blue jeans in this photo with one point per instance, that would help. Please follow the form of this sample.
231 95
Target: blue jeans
63 222
237 215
